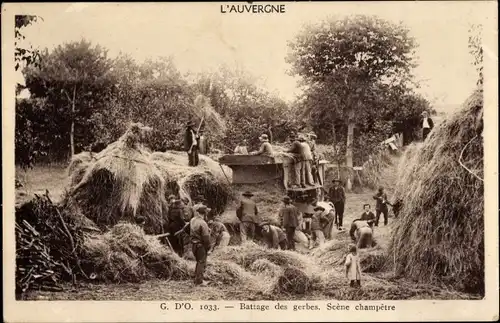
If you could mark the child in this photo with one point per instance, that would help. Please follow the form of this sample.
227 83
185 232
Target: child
352 267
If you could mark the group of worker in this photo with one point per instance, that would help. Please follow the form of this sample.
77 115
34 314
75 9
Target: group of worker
303 150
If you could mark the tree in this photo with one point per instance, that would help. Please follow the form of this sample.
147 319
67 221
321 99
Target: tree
76 80
347 65
476 49
24 55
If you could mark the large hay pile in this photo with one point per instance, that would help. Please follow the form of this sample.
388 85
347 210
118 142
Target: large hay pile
440 236
125 180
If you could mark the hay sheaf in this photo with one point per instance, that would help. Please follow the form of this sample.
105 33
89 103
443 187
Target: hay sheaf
127 254
207 179
120 184
440 233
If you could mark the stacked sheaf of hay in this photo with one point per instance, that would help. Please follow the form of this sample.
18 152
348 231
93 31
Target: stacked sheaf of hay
125 180
440 233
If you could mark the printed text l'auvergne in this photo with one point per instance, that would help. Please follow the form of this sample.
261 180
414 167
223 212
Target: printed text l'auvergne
252 8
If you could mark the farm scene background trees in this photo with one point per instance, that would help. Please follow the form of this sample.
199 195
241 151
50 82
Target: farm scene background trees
355 73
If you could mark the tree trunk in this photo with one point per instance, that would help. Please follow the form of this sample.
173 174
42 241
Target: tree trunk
349 153
72 130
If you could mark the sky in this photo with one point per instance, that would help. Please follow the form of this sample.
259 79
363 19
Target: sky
200 38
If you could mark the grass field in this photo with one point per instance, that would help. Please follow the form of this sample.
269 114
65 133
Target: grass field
54 179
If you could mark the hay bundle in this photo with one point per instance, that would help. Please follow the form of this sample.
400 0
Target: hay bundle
440 234
78 166
121 183
208 179
264 266
226 273
246 254
293 281
126 253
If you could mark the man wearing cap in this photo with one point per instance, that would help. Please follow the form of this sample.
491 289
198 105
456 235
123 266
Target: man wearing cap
336 194
361 232
247 213
296 150
265 147
176 223
273 236
289 216
191 144
219 236
307 159
200 242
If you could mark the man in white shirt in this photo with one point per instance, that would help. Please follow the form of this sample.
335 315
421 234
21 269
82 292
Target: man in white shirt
427 124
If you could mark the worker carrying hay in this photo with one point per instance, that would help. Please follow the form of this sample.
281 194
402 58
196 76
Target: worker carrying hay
381 207
191 144
247 213
336 195
273 236
265 147
353 267
329 214
219 236
362 233
289 216
200 242
318 219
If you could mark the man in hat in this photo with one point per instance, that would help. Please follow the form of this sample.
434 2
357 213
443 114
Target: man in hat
289 216
242 148
296 150
273 236
318 220
219 236
200 242
188 209
381 206
329 215
307 159
315 162
247 212
336 194
362 233
265 147
176 223
427 124
191 144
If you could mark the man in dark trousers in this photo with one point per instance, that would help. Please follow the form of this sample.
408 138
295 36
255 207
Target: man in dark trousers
367 213
289 216
247 213
381 206
337 197
191 144
273 236
176 223
200 241
296 150
427 124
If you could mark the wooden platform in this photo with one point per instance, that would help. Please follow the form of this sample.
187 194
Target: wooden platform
304 189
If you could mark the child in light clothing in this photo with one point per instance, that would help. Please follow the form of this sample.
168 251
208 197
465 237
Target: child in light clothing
353 269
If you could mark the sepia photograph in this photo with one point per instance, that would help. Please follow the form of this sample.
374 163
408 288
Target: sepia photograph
249 152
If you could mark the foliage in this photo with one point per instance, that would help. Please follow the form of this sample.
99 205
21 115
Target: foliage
356 70
24 55
476 50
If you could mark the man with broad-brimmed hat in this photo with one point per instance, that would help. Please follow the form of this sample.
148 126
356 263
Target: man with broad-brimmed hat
247 213
289 216
265 147
336 194
219 236
318 218
191 144
200 242
273 236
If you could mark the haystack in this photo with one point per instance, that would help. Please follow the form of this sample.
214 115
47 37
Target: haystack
293 281
121 183
440 233
127 254
208 179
